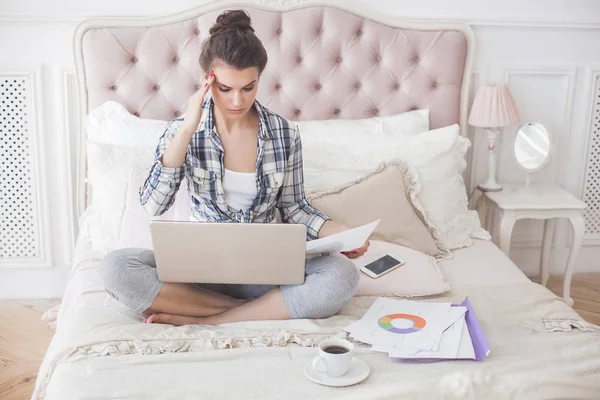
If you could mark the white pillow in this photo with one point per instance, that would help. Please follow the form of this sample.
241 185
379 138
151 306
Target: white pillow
135 223
120 153
324 142
115 217
438 157
112 123
419 276
350 130
335 158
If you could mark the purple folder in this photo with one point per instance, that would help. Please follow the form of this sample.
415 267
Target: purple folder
481 347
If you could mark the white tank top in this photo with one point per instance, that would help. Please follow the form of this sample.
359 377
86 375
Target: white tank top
240 189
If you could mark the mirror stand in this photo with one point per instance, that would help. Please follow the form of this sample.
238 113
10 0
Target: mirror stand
528 179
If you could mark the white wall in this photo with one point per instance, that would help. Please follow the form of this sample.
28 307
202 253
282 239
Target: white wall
547 50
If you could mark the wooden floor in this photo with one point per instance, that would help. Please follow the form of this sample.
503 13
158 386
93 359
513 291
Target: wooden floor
585 291
24 338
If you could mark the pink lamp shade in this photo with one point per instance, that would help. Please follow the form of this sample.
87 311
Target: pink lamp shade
493 107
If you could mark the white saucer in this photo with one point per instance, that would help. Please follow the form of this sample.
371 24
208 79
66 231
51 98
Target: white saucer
358 372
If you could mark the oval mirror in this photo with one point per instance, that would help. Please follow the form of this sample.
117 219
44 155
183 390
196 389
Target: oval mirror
532 146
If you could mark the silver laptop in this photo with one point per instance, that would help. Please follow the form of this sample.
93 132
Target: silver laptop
202 252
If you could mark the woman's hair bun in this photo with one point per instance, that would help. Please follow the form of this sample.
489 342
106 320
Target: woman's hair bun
232 20
232 41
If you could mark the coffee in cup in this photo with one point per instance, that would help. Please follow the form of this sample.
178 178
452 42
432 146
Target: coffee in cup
335 349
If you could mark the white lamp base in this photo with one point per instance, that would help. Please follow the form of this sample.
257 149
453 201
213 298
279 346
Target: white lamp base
490 184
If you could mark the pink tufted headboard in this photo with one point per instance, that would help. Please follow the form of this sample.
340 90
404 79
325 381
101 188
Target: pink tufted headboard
325 62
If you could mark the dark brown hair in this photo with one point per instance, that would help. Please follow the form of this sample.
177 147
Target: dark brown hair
232 40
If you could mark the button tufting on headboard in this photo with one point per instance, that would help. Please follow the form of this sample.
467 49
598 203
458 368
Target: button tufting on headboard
353 59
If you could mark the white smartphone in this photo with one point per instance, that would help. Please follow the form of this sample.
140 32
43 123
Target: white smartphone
382 266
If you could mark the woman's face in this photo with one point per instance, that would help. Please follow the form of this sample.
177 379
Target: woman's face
234 90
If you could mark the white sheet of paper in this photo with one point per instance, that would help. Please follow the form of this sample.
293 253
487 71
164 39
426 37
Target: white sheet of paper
454 314
449 345
446 341
389 349
343 241
465 349
367 329
455 344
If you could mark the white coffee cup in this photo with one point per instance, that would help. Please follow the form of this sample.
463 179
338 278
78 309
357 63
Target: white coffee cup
335 356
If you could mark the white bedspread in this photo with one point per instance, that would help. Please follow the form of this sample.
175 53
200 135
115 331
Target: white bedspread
102 350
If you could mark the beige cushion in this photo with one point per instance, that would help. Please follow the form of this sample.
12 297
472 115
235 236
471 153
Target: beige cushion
389 194
419 276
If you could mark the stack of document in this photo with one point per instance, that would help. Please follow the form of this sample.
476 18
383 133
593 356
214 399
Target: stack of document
414 330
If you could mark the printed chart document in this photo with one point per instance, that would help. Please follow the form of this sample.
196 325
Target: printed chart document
343 241
409 330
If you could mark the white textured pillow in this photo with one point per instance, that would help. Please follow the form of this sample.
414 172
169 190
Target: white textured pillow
406 123
336 158
438 157
120 153
115 218
325 142
135 223
112 123
419 276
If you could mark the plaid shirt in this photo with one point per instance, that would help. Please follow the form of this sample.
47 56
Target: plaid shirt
279 178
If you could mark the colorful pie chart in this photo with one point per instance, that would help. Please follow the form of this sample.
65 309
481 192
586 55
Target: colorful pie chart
386 323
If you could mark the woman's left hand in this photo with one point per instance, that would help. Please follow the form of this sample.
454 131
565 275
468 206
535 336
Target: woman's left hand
357 252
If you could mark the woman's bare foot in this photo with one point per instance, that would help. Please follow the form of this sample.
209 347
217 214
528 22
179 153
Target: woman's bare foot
269 306
173 319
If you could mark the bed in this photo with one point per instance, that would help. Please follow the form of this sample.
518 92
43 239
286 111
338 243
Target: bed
541 348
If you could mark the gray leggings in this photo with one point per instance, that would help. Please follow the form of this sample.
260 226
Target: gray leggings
130 276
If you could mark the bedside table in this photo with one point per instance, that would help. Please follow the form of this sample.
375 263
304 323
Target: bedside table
546 202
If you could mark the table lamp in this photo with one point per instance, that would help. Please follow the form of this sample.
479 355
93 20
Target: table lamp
493 109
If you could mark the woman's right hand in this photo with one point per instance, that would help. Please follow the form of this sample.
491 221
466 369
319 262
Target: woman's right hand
194 109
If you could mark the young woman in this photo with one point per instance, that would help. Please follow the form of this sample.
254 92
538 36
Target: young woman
243 162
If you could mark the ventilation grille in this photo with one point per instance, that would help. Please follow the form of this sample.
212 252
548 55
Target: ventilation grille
19 238
592 179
